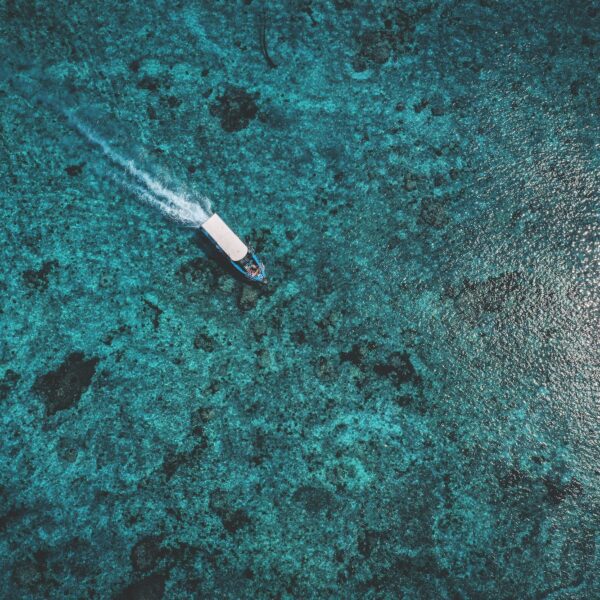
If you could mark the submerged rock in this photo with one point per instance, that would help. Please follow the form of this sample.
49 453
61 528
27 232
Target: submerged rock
61 389
226 283
248 297
235 108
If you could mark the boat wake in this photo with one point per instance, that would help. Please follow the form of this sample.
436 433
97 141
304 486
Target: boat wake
176 206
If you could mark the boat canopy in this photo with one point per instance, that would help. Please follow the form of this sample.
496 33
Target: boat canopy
225 238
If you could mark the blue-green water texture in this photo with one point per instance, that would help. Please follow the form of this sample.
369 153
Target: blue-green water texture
409 409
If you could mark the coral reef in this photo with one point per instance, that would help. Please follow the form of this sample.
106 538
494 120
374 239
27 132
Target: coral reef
409 409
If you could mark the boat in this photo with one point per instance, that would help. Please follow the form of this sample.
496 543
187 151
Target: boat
241 256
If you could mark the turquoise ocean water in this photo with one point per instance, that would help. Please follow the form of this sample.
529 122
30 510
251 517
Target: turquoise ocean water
409 409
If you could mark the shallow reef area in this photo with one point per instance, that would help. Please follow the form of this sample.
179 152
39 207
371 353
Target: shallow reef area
409 409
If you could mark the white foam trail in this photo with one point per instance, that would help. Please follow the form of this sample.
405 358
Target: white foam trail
174 212
174 205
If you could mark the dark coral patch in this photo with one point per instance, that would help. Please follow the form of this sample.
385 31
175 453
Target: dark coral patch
235 108
314 499
149 83
420 106
398 368
146 553
192 270
232 519
28 576
38 278
559 491
433 213
8 381
173 101
67 449
149 588
61 389
354 355
376 47
493 293
73 170
358 353
156 312
403 400
205 342
175 458
134 65
199 418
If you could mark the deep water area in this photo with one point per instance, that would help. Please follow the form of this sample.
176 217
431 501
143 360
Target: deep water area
409 409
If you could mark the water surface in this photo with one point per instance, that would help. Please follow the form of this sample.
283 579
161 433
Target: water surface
410 409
